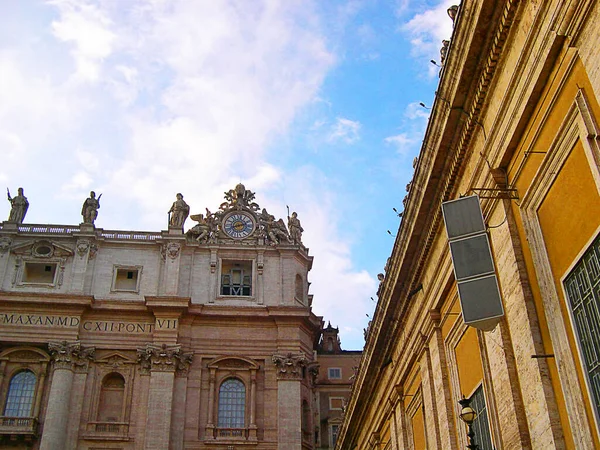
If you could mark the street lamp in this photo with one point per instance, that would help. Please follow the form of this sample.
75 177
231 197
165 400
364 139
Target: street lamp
468 415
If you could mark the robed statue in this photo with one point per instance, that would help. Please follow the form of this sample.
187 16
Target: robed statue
90 208
18 206
178 213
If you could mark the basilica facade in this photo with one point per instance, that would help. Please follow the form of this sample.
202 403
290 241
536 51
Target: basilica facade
158 340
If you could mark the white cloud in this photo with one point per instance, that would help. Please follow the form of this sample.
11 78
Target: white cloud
401 141
426 31
344 130
87 27
342 292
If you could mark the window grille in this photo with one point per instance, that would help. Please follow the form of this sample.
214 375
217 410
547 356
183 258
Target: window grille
334 373
583 293
236 279
20 395
481 424
232 404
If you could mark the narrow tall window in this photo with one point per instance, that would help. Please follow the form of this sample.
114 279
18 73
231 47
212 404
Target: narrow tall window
232 404
481 424
20 395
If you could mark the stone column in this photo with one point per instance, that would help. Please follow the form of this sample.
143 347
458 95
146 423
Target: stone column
162 361
65 357
210 424
289 400
180 399
252 426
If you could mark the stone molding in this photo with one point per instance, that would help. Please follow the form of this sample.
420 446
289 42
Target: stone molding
289 367
70 355
164 358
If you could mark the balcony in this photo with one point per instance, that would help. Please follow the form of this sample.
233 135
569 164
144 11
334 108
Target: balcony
232 436
110 431
18 427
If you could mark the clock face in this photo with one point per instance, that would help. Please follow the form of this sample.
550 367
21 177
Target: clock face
238 225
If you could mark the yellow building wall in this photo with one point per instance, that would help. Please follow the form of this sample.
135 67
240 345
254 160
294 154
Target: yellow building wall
418 430
468 361
561 215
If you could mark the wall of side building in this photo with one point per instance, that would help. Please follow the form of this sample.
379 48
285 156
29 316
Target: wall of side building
516 121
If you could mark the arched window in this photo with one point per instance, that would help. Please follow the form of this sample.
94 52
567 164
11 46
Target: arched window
232 404
20 395
110 407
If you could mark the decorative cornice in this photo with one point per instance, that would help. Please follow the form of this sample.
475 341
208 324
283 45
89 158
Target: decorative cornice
289 367
70 355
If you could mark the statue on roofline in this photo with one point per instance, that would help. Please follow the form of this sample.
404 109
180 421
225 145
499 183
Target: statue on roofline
18 206
90 208
178 213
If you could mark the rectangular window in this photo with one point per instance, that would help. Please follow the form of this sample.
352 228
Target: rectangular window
336 403
582 286
236 278
334 373
126 278
481 424
39 273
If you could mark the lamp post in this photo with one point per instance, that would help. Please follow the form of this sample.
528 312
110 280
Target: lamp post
468 415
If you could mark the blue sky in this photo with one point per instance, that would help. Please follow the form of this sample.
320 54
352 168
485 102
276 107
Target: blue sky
311 104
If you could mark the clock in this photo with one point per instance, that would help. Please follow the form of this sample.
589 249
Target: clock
238 225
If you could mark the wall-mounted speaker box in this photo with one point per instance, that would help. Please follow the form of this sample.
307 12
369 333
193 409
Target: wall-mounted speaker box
473 263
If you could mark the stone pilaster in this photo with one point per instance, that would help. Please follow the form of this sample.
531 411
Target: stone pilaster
441 387
171 252
80 263
162 361
289 400
66 358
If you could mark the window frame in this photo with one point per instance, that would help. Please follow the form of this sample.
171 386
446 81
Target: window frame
341 399
32 394
126 268
242 261
329 377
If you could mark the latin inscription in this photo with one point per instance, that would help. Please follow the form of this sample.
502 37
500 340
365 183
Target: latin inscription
101 326
38 320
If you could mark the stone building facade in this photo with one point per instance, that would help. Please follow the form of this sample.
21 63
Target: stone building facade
515 121
158 340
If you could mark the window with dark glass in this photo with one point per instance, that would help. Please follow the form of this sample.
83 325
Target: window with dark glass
236 278
481 424
21 390
232 404
583 292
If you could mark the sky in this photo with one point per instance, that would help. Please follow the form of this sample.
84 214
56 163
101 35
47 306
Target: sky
313 105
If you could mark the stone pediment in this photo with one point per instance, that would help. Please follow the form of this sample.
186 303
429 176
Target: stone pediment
115 359
25 354
41 248
233 362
